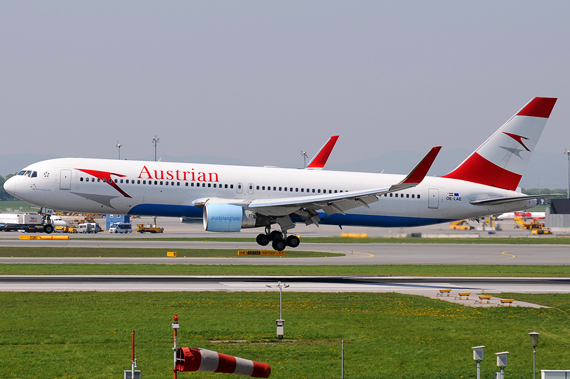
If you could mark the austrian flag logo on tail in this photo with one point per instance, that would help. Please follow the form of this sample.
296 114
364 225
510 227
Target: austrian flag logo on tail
518 139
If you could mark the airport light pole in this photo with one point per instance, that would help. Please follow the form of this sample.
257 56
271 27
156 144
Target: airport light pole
119 148
567 152
534 343
280 322
305 156
155 140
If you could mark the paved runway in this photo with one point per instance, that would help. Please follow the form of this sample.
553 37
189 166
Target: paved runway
355 254
424 286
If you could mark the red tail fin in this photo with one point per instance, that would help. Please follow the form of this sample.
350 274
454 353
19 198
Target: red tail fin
501 160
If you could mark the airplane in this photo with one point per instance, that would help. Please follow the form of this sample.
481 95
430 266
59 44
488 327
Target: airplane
229 198
522 214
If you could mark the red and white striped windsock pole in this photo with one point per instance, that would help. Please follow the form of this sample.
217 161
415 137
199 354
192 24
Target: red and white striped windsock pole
194 359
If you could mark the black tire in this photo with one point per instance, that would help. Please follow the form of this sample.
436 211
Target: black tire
275 235
278 245
48 228
293 241
262 239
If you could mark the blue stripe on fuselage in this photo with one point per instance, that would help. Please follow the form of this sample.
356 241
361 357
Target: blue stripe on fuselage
377 220
166 210
335 219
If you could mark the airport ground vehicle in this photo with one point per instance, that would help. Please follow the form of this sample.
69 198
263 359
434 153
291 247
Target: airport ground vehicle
533 225
149 229
66 229
460 225
25 222
88 227
120 227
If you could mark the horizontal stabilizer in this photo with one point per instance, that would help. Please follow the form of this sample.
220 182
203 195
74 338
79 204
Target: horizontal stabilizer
511 199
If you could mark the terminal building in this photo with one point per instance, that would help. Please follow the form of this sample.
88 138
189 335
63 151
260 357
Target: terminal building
557 216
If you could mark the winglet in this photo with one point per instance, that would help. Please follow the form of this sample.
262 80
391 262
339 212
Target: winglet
419 172
320 159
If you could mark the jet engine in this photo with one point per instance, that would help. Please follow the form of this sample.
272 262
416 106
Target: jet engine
227 218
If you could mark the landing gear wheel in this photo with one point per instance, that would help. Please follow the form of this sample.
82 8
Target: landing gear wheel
275 235
262 239
278 245
293 241
48 229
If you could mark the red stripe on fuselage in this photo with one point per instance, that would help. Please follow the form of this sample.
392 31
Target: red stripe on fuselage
477 169
538 107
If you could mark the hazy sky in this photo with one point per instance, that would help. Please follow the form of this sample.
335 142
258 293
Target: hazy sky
262 80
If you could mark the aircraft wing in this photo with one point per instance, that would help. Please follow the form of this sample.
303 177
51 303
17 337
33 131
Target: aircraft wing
340 202
510 199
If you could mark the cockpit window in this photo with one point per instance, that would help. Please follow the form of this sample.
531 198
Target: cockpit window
28 173
34 174
22 172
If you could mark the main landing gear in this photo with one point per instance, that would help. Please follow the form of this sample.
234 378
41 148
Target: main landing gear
279 241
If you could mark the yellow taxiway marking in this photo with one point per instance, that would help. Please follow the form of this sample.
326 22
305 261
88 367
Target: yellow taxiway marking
351 255
509 256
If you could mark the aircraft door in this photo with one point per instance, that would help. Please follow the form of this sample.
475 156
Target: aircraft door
239 188
65 180
250 188
433 198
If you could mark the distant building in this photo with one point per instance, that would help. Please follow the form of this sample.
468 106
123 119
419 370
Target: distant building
111 219
558 215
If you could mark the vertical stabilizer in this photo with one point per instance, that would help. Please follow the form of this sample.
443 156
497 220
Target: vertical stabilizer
501 160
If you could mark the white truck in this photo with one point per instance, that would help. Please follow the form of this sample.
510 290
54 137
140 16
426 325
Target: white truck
88 227
27 222
120 227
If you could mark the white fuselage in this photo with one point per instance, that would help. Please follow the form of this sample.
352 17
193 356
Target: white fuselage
169 189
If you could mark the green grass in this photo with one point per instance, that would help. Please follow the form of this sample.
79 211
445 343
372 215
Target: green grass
43 251
18 205
88 335
186 268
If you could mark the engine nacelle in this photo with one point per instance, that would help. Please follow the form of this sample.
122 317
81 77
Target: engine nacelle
227 218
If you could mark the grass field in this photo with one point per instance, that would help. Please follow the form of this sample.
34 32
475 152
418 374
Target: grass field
43 251
17 205
275 270
88 335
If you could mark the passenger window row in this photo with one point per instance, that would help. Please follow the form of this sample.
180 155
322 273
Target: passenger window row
158 182
413 196
291 189
33 174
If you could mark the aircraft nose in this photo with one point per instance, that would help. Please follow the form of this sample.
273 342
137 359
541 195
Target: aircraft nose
10 186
